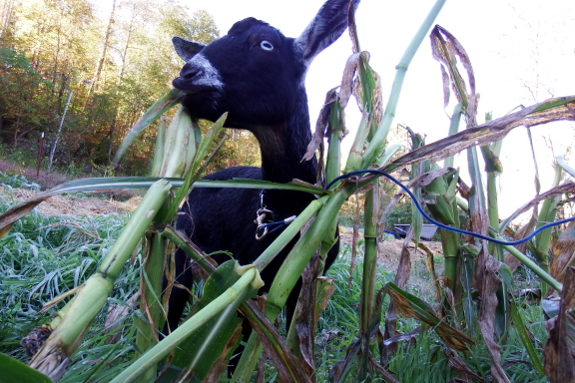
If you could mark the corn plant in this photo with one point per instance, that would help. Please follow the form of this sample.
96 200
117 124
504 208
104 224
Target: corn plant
201 346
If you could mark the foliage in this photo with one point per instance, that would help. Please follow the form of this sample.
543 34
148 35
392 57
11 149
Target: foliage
34 277
44 257
115 68
17 181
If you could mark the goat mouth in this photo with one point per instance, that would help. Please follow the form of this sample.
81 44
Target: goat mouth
188 87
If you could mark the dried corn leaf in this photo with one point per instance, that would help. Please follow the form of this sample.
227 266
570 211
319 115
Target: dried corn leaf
559 349
563 252
411 306
568 187
555 109
322 124
458 364
317 290
447 50
288 366
386 374
340 369
401 277
490 285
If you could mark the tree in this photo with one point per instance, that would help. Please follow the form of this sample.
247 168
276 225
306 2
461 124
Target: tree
22 94
116 68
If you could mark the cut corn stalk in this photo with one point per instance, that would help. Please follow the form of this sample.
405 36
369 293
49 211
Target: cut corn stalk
53 357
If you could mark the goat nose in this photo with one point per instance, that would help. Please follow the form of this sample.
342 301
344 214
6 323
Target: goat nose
190 71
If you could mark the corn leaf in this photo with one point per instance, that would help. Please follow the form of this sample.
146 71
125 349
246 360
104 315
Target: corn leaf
559 348
219 335
526 337
153 113
249 280
563 253
14 371
411 306
555 109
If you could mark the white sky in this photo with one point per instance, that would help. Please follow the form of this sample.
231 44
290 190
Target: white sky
521 52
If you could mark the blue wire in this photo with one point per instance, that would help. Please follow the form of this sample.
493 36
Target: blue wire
439 224
280 225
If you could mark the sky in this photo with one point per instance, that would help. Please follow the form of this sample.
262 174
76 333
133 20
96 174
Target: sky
522 52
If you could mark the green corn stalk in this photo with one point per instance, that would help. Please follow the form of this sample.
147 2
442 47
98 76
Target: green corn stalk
151 276
453 128
291 269
176 146
369 279
176 150
376 146
543 239
247 283
336 126
525 260
54 355
444 209
493 168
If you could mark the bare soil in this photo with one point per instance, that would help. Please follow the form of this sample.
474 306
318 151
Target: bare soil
420 281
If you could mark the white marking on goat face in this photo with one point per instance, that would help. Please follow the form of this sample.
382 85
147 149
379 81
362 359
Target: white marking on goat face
208 74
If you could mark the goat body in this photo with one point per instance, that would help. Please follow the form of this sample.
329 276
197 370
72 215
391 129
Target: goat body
257 75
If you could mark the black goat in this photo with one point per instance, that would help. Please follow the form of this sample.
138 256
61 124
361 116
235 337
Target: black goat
256 75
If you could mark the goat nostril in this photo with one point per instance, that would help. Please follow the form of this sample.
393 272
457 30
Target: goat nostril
189 72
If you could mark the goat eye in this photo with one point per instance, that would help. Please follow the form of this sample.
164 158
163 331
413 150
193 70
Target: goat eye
266 45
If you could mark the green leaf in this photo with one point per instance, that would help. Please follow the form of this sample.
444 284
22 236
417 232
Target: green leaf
14 371
153 113
248 282
201 351
553 103
506 275
525 337
8 218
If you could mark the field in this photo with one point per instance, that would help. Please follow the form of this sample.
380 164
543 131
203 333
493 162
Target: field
57 247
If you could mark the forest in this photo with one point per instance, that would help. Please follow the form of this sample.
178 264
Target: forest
82 76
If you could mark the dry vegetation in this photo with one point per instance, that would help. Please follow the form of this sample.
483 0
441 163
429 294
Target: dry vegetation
71 204
389 251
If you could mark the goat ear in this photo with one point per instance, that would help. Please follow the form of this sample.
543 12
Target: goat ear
326 27
186 49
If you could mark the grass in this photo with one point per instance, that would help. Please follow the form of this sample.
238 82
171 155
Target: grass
43 257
